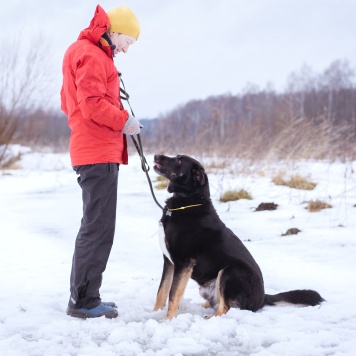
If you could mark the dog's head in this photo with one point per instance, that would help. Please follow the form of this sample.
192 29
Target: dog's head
186 175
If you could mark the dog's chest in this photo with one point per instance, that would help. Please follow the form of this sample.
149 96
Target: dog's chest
162 241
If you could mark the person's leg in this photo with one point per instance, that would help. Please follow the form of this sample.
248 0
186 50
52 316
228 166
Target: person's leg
96 233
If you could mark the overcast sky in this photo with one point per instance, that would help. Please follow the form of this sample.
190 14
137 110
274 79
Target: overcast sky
191 49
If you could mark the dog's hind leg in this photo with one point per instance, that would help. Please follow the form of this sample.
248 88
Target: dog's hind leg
165 285
206 305
223 307
180 279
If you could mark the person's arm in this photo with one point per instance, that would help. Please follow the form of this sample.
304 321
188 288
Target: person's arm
91 82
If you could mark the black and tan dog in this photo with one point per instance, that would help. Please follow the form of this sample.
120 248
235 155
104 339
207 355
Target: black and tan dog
198 245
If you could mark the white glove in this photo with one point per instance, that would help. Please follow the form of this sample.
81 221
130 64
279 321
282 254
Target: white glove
132 126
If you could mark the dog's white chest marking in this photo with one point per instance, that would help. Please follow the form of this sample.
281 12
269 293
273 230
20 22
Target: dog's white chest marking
162 241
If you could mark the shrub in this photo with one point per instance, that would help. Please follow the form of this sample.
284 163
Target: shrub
317 205
296 182
10 162
232 195
162 182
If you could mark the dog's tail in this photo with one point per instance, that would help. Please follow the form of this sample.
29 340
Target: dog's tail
304 297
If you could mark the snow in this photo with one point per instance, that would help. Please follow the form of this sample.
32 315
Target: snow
40 211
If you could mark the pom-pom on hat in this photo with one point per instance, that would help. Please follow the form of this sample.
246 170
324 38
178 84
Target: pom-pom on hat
123 20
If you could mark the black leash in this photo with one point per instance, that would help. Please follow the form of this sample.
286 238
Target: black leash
138 144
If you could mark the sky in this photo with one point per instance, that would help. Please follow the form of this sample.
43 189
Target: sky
192 49
40 212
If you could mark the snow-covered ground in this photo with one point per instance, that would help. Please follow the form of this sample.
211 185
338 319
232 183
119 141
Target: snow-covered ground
40 211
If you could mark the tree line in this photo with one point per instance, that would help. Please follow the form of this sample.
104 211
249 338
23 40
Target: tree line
314 117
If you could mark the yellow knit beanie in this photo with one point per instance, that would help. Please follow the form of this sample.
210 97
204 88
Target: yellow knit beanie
123 20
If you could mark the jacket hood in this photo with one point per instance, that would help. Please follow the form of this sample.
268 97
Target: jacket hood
98 26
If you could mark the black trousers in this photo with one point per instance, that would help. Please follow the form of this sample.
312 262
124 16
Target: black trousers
96 233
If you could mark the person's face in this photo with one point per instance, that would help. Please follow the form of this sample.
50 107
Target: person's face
121 41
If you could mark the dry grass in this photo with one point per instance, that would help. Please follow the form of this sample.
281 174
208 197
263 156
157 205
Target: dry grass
291 138
232 195
162 183
317 205
214 165
12 163
220 165
296 182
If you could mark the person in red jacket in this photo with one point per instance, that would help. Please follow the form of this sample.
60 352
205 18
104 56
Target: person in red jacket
99 125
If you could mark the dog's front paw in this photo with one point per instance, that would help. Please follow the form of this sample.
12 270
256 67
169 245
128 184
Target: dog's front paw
170 316
159 305
156 308
207 317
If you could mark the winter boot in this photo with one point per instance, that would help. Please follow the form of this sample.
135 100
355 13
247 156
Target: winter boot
100 310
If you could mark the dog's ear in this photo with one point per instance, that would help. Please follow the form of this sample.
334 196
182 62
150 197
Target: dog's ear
198 174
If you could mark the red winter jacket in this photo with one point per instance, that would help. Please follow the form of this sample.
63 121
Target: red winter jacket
90 98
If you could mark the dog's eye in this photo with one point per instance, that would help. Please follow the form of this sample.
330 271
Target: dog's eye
173 175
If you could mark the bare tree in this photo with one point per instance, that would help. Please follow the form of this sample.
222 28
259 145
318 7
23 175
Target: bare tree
24 81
